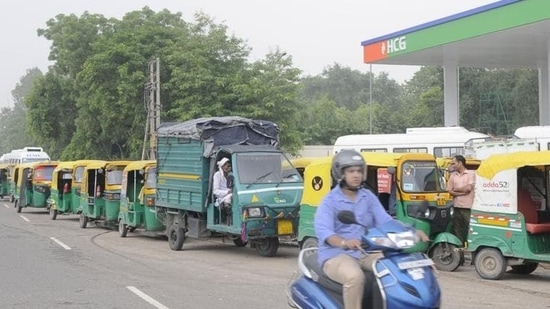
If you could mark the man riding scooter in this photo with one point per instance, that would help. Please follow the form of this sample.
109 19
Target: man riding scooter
340 250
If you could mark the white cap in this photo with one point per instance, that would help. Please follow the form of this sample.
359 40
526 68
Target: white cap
222 162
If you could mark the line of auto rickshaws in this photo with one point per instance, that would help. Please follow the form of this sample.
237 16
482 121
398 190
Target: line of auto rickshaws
509 225
108 193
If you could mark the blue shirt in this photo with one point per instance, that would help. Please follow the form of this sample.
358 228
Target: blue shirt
367 209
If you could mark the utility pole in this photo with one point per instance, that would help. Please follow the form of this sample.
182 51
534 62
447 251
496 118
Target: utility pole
153 107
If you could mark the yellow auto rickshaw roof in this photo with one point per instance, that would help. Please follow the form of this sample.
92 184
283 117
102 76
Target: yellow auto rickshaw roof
65 165
96 164
4 166
137 165
499 162
382 159
45 163
118 163
302 162
85 162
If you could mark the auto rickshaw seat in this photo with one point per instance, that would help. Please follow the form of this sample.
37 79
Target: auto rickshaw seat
528 208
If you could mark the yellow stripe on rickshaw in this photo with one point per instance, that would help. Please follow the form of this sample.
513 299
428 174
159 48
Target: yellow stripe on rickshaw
180 176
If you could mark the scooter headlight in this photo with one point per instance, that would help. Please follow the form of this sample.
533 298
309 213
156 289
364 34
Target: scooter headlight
403 240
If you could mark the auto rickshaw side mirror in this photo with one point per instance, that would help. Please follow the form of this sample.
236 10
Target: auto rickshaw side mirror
391 170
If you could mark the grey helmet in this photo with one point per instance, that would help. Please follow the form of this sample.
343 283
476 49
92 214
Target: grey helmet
346 158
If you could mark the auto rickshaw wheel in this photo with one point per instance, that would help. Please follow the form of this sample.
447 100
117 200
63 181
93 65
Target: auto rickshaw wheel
18 206
490 264
267 247
446 256
122 228
524 269
176 237
83 220
53 213
239 243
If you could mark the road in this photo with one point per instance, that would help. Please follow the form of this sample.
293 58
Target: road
56 264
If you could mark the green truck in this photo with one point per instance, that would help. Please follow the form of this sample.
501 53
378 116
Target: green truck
265 202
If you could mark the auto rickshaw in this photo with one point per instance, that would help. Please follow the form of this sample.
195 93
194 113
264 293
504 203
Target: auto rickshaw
34 184
510 219
4 184
408 185
100 193
60 200
14 177
137 198
299 164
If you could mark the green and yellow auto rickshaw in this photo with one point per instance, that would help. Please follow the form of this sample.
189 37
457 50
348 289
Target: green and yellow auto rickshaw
510 219
137 198
408 185
14 182
100 192
34 184
4 182
60 200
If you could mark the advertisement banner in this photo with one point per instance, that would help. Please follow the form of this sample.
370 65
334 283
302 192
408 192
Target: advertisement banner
498 194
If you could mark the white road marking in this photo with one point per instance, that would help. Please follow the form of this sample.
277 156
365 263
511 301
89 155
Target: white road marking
64 246
24 218
7 206
146 297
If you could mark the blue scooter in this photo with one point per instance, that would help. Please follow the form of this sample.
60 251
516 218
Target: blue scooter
400 280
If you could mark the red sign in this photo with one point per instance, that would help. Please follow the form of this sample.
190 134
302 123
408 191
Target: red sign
384 181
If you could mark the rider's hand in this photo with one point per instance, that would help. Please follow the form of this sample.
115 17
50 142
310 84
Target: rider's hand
423 237
353 244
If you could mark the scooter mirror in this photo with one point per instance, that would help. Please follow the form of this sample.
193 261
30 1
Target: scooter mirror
347 217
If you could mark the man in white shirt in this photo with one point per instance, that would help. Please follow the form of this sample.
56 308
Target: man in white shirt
222 193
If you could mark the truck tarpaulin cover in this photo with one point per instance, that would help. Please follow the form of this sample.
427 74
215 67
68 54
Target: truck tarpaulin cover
222 131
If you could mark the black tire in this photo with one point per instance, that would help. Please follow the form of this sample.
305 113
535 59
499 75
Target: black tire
524 269
18 206
122 228
83 221
53 213
490 264
446 256
267 247
239 243
176 237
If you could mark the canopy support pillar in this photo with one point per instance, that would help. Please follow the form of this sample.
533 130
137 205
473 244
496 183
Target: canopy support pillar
450 95
544 85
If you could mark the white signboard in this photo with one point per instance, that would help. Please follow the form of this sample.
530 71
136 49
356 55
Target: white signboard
497 195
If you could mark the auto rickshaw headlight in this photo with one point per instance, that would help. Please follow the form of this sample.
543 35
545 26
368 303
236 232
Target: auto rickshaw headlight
427 213
150 201
255 212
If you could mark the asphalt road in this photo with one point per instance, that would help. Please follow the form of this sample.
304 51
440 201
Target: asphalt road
96 268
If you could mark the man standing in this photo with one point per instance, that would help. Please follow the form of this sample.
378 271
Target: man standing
461 187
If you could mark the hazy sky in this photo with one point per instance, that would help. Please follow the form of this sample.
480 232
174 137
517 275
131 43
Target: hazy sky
317 33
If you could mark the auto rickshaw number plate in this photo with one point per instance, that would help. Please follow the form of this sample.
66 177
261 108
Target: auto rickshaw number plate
284 227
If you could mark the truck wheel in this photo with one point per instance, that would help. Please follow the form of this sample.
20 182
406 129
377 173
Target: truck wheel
122 228
524 269
176 237
83 220
490 264
53 213
267 247
446 256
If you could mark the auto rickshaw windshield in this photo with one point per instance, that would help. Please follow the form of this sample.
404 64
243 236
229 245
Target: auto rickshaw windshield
421 176
265 168
152 178
114 175
43 173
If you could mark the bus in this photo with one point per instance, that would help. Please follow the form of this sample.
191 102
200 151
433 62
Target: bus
540 133
438 141
25 155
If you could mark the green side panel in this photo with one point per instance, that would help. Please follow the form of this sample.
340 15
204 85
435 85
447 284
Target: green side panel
112 208
182 181
506 17
305 227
